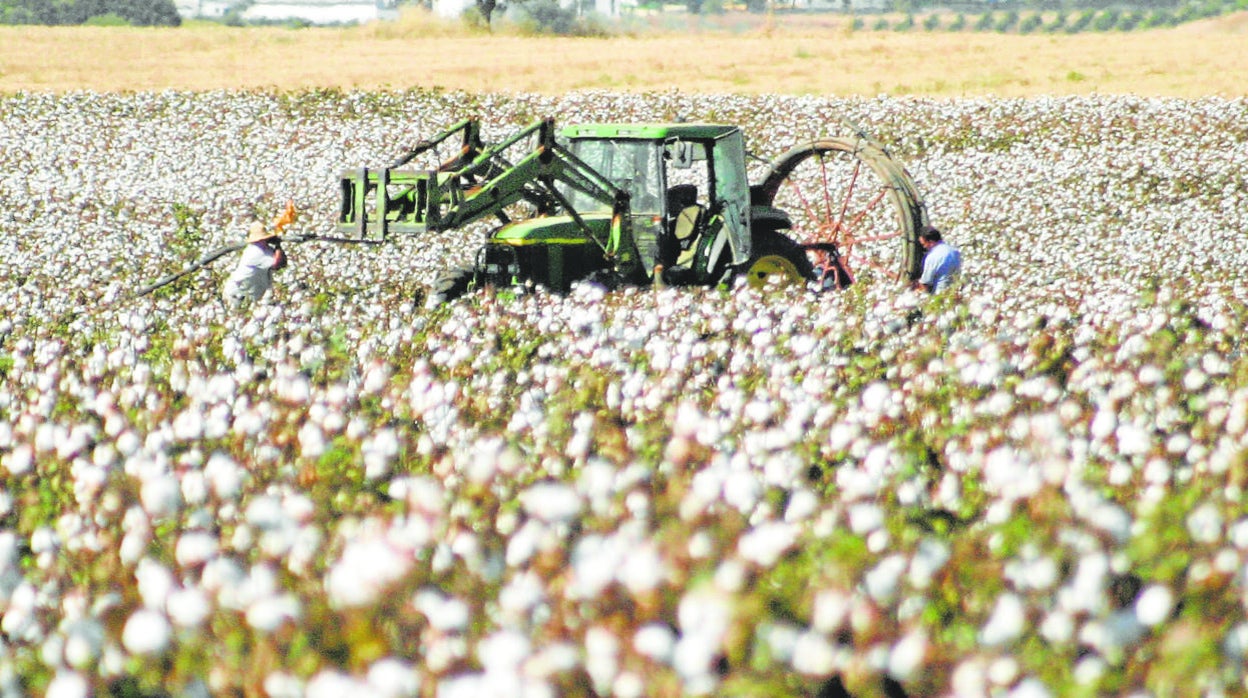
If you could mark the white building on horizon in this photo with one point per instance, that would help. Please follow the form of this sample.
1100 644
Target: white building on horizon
327 12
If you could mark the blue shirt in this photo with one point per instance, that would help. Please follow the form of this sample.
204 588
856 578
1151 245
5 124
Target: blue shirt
941 266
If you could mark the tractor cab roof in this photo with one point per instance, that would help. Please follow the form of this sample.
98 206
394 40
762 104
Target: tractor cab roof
648 132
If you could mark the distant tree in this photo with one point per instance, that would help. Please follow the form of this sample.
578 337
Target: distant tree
1007 21
1106 20
483 12
1159 18
1130 20
1081 22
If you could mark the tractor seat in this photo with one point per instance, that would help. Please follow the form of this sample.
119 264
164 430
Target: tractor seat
688 223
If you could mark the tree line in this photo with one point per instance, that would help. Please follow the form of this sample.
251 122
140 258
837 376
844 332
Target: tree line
143 13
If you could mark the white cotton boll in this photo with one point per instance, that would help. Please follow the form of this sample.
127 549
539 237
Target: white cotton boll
929 558
283 685
1058 627
742 491
1104 423
222 574
1006 623
702 545
765 543
627 685
865 518
225 477
1205 524
970 678
52 651
831 610
44 540
128 443
195 547
68 684
876 398
1154 605
552 502
188 608
1235 645
393 678
813 655
269 613
1112 634
1030 688
1089 670
311 440
503 652
802 505
1133 440
146 632
906 657
883 580
155 581
366 569
642 570
1003 671
601 657
20 460
84 639
444 613
330 683
194 488
656 641
161 496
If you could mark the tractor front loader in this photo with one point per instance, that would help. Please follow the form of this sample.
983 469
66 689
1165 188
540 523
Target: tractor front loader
647 203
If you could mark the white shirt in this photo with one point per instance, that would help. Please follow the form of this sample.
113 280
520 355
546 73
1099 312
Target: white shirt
941 266
253 276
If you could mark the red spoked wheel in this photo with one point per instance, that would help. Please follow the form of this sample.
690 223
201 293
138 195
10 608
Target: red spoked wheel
848 192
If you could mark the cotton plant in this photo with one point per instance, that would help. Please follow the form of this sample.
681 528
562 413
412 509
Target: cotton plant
1028 486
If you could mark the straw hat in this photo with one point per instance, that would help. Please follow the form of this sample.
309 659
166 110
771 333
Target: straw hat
257 233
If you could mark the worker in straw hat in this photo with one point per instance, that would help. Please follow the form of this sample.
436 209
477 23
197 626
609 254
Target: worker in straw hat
261 256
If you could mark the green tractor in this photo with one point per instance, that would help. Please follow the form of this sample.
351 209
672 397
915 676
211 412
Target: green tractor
640 204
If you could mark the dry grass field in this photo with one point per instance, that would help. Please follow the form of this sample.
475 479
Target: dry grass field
741 55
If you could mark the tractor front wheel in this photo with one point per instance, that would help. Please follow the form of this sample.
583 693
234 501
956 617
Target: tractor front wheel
776 261
850 193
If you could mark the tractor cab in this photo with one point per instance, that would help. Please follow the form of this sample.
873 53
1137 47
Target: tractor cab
688 192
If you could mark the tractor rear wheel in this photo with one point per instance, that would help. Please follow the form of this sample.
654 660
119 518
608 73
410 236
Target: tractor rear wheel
777 261
449 285
850 192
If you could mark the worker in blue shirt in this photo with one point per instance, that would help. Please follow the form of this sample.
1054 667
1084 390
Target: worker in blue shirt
941 265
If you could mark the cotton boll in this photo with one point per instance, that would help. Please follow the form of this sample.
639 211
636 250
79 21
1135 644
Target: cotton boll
393 678
1154 605
906 657
655 640
68 684
146 632
1006 623
188 608
161 496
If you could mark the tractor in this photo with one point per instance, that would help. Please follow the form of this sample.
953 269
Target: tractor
648 203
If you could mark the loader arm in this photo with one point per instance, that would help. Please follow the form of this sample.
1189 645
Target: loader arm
481 182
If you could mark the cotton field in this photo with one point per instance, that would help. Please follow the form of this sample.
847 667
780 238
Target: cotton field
1030 486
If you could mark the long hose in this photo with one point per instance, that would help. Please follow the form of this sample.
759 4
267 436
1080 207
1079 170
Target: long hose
214 255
